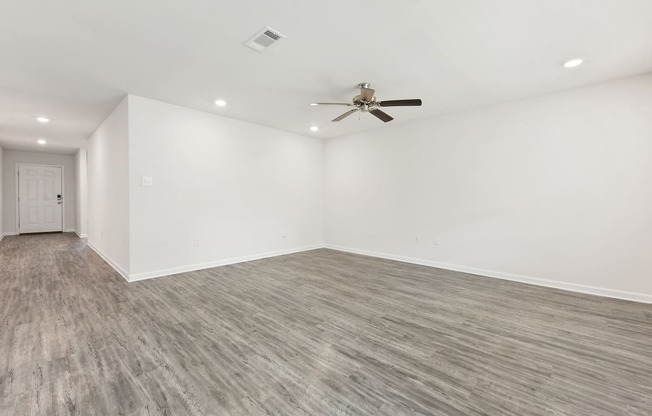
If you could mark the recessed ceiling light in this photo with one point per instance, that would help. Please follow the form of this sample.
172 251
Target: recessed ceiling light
42 119
314 128
314 104
220 103
573 63
42 141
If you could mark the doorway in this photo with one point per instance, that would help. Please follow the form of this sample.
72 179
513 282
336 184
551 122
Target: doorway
40 198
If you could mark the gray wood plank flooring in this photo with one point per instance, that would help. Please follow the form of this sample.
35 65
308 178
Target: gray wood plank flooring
315 333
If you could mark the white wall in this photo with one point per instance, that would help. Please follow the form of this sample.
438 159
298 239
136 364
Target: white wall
557 188
108 189
81 223
230 187
11 158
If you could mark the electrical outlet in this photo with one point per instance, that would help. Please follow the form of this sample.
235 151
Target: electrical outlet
417 239
435 240
283 237
196 243
147 181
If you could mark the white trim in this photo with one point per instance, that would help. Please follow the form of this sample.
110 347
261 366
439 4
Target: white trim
109 261
217 263
80 235
70 231
573 287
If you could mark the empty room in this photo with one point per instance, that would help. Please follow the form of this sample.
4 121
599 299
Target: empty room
276 207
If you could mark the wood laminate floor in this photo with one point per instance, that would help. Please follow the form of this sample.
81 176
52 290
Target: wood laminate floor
315 333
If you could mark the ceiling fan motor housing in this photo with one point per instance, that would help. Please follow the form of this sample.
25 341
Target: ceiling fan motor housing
358 100
366 102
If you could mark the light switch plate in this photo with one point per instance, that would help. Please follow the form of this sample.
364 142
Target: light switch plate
147 181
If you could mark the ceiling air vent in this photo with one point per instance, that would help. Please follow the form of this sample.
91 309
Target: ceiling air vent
263 39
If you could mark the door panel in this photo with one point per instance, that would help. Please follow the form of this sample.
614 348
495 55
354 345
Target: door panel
32 186
49 215
39 208
32 215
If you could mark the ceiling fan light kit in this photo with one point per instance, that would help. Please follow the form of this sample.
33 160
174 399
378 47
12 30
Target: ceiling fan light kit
366 102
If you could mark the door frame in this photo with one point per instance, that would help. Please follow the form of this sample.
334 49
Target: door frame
63 192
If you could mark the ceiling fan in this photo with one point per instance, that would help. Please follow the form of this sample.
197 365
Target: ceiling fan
366 103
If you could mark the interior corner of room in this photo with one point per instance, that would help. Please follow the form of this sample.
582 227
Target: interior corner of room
474 191
548 190
277 207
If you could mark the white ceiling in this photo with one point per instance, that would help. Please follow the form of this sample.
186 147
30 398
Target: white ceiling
73 60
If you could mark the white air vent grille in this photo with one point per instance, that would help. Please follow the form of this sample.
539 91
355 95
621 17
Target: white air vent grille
263 39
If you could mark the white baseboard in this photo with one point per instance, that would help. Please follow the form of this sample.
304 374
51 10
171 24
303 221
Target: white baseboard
3 235
208 265
70 231
109 261
573 287
81 235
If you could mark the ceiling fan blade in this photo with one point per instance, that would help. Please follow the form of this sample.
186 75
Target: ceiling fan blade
400 103
345 115
316 104
381 115
367 94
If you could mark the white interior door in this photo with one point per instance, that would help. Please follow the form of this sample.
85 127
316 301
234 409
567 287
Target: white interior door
40 199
